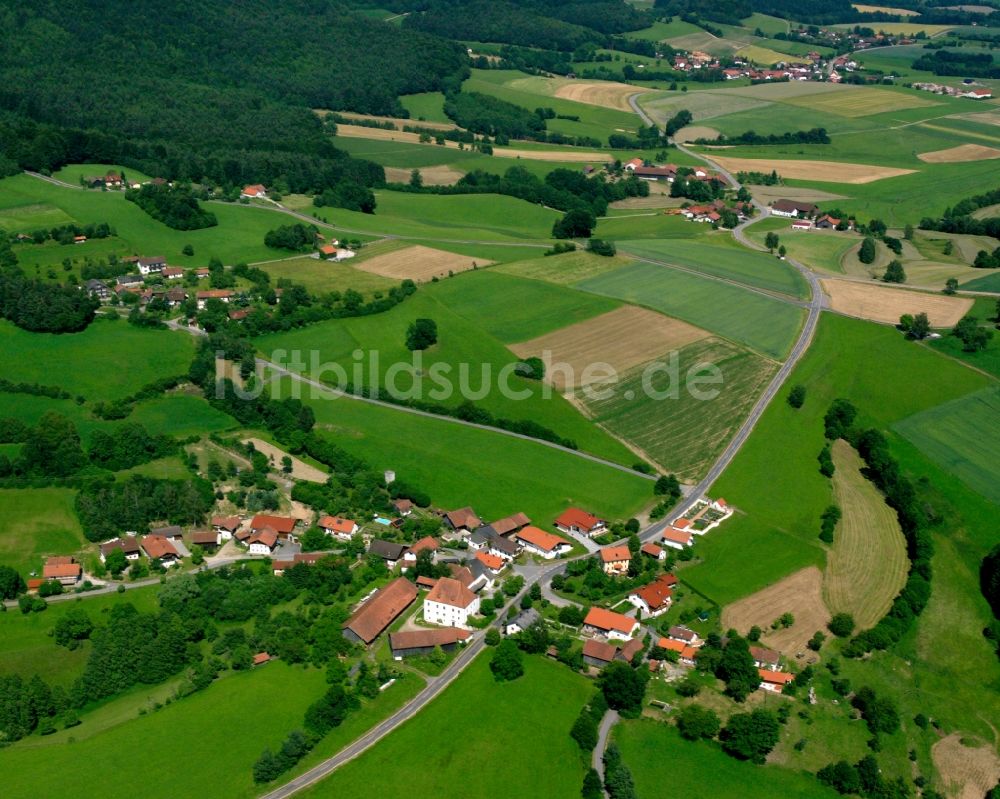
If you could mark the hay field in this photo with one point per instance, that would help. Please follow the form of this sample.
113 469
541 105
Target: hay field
823 171
899 12
568 156
603 93
431 175
867 564
300 469
960 154
965 772
623 339
800 593
861 102
566 269
654 200
693 132
771 92
768 194
419 263
884 304
702 105
761 55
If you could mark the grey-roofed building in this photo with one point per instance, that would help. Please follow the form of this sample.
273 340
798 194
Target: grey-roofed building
504 547
97 288
389 551
481 538
522 621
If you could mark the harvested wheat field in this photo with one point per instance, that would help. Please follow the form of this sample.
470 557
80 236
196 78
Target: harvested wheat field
900 12
867 563
300 469
693 132
568 156
884 304
966 772
602 93
419 263
768 194
622 338
960 154
431 175
800 594
826 171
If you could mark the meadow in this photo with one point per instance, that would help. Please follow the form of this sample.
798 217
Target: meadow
462 347
319 276
459 465
566 269
545 700
961 436
427 106
108 360
658 756
766 325
775 481
723 257
35 522
73 173
684 434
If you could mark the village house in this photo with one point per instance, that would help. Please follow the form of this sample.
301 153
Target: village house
599 654
172 273
600 621
206 539
263 541
653 551
544 545
409 643
510 524
282 525
279 567
574 520
223 295
493 563
337 527
160 549
127 544
656 173
463 520
977 94
522 621
676 539
128 281
202 272
486 539
686 654
655 598
97 289
449 603
151 265
172 533
63 569
774 681
254 192
615 560
425 544
403 507
389 551
225 526
379 611
764 658
802 224
791 208
425 582
679 633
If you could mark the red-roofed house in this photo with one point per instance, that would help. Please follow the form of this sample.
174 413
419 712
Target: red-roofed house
338 527
261 658
676 539
598 653
263 541
282 525
64 570
225 526
600 621
254 191
492 562
653 599
449 603
574 520
774 681
425 544
511 524
615 560
631 165
463 519
538 542
157 547
654 551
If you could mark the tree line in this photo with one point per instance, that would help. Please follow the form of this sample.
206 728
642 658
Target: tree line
175 206
812 136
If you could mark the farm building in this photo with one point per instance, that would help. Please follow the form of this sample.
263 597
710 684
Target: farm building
538 542
422 642
676 539
207 539
654 551
128 544
65 570
379 611
226 526
511 524
792 208
157 547
600 621
282 525
463 519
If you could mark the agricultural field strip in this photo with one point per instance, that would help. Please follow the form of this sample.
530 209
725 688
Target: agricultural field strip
708 276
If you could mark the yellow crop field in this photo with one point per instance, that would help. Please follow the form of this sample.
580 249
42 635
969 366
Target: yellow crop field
861 102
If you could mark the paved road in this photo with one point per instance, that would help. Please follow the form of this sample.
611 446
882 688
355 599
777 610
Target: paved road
597 758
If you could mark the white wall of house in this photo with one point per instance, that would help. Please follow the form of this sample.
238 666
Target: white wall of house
449 615
259 548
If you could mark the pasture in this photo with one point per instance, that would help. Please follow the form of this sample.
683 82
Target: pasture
818 249
419 264
517 309
25 218
681 409
566 269
985 283
545 700
658 756
459 465
775 480
818 171
320 276
883 304
36 522
623 338
425 107
867 564
962 437
73 173
721 256
108 360
760 322
861 102
800 594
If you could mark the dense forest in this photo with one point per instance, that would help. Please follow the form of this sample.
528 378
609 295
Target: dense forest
948 62
87 80
174 206
43 307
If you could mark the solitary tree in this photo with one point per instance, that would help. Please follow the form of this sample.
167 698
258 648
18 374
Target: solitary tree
951 285
751 736
797 396
771 241
782 251
841 625
421 334
577 223
506 663
894 273
867 252
696 722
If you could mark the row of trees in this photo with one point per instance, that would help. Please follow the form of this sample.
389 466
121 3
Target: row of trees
812 136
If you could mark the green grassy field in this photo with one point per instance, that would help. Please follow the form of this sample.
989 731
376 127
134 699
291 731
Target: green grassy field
816 248
108 360
35 522
961 436
517 309
759 322
685 434
463 347
459 465
985 283
723 257
566 269
321 276
988 359
775 479
427 106
658 756
71 173
545 700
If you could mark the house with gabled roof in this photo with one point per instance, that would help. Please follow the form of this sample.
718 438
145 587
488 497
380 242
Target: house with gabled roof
226 526
494 563
338 527
615 560
422 642
158 548
511 524
522 621
389 551
284 526
540 543
254 191
575 520
63 569
774 681
600 621
764 658
263 541
655 598
379 611
676 539
127 544
449 603
463 519
653 551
